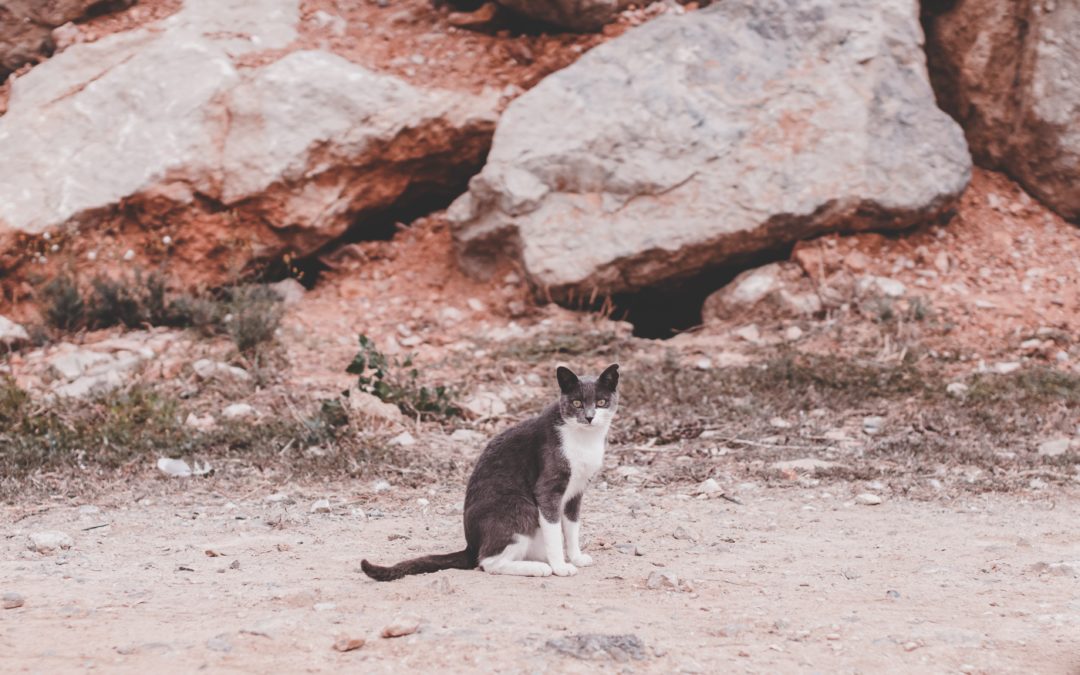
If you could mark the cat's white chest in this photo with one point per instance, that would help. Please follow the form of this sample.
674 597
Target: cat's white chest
583 448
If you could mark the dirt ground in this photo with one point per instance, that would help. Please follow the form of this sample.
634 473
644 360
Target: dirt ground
788 580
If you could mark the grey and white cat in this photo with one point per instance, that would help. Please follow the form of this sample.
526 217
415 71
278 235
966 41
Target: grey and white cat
523 501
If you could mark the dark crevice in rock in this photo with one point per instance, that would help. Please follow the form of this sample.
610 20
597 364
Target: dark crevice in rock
662 312
418 201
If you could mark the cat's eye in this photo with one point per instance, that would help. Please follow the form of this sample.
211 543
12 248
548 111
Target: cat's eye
601 403
577 403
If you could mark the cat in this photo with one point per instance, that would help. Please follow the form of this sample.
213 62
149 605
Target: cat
523 500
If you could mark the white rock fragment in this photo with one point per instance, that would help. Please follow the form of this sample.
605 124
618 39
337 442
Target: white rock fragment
177 468
1054 447
11 333
238 411
49 541
321 506
868 499
404 439
400 627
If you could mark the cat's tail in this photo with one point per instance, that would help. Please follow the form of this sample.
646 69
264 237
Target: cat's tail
462 560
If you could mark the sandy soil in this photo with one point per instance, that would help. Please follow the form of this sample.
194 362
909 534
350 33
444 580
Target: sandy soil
790 580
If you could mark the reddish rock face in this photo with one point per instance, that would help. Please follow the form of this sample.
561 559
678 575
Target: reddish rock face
1009 72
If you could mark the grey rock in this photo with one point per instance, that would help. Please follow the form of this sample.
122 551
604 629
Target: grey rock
12 600
321 506
238 411
219 644
167 116
208 369
11 333
1054 448
694 140
400 627
868 499
872 425
1009 71
777 288
467 436
176 468
591 647
807 464
49 541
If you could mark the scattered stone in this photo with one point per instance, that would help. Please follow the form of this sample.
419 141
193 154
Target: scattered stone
404 439
708 486
401 627
344 643
219 644
892 595
289 290
381 486
668 580
321 506
704 363
485 404
957 389
889 288
204 423
792 333
208 369
1006 367
177 468
11 333
868 499
685 534
278 498
806 464
12 600
591 647
324 606
630 549
372 407
872 425
779 423
1054 448
750 333
49 541
467 436
238 411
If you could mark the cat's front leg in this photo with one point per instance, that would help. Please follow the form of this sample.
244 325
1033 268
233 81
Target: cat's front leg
571 525
551 529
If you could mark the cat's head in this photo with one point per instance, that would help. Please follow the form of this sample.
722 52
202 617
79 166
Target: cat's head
588 401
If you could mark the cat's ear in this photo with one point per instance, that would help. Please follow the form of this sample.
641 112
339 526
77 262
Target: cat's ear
568 381
610 377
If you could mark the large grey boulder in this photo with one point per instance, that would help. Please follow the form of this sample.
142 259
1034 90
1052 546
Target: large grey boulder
167 128
1009 71
693 140
26 27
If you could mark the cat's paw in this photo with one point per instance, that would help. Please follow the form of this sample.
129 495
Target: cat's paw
581 560
563 570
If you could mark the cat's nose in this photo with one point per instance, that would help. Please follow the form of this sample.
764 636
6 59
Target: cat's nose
589 417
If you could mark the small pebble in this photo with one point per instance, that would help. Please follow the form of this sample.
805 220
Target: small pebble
12 600
321 506
344 643
868 499
401 627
